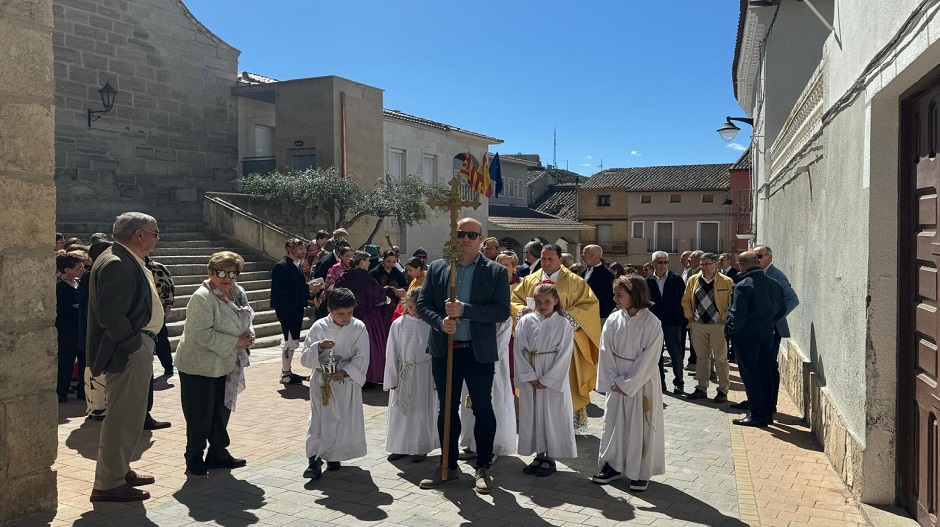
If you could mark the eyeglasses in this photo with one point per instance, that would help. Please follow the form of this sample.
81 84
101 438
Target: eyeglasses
156 234
708 263
471 235
222 274
759 256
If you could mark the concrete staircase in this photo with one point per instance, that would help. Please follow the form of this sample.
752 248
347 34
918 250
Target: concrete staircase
186 254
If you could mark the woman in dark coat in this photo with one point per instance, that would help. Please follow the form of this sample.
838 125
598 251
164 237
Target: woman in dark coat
370 309
392 281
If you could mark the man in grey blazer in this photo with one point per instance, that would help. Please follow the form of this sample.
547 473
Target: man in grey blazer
124 318
781 328
482 302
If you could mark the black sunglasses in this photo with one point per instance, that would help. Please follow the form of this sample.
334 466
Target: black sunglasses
222 274
471 235
759 256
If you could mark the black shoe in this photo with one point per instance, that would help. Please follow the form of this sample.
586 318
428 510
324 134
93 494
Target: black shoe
697 394
639 485
333 466
314 470
749 421
197 468
63 398
368 385
168 372
740 406
396 457
232 462
606 475
152 424
721 397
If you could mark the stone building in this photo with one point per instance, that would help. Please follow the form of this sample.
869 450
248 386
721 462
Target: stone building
172 133
845 142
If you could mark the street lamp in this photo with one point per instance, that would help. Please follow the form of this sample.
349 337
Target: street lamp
108 94
728 130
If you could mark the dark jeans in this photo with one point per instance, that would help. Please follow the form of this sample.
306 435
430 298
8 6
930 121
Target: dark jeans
206 417
671 338
775 372
755 362
291 321
479 379
163 349
683 339
68 352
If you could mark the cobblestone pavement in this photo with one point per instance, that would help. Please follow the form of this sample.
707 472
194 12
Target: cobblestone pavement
717 474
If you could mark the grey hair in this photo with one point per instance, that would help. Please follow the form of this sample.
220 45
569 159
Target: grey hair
567 259
727 256
534 248
710 256
698 254
128 223
660 254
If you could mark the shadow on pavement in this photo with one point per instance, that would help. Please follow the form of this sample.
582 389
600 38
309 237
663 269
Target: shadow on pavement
375 396
71 410
295 391
132 513
221 498
680 506
344 491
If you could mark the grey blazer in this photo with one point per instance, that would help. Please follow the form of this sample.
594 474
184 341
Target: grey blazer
119 297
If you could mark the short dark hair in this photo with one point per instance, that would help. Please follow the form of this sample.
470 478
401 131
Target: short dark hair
339 243
534 248
97 248
340 298
617 269
551 247
66 261
59 236
388 253
359 256
293 242
417 263
321 234
639 292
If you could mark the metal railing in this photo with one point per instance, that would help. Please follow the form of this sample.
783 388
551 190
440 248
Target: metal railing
613 247
260 165
709 245
670 245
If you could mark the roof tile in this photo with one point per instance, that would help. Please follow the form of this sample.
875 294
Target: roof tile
662 178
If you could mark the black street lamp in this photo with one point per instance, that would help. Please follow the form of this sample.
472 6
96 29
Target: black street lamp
728 130
108 94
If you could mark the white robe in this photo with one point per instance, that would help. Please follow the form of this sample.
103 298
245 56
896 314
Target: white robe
545 422
633 440
412 405
503 400
336 432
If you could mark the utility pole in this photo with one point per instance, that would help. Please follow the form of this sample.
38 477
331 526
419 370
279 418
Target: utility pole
555 147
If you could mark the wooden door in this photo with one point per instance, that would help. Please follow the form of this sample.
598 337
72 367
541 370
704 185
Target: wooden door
919 396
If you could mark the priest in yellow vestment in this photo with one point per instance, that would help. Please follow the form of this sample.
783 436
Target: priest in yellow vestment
583 312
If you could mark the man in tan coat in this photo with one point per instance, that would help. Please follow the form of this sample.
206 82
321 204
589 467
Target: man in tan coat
124 317
705 302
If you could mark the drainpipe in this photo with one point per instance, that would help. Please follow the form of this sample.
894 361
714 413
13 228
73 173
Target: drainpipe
342 104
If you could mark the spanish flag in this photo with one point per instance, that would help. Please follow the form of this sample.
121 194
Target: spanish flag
483 185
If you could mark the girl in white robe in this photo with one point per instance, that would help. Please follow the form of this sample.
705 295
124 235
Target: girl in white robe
412 403
543 348
336 429
633 438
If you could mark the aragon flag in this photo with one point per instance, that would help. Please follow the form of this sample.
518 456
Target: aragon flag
468 169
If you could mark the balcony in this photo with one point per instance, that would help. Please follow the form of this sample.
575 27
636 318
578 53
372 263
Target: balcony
670 245
613 247
260 165
709 245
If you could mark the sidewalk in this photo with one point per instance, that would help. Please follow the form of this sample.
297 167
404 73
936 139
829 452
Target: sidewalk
717 474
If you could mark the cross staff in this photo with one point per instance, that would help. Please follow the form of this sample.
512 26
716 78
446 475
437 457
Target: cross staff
453 203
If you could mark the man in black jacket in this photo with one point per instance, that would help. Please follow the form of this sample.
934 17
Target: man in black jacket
599 278
666 290
289 296
756 305
532 259
482 295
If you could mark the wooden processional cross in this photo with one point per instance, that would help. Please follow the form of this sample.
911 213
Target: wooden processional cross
453 203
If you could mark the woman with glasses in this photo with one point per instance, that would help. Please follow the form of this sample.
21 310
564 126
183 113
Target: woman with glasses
210 359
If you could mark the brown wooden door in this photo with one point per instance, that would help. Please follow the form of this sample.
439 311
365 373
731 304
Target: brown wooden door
919 401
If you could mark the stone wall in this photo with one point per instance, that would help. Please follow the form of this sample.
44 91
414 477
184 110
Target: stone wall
172 134
28 407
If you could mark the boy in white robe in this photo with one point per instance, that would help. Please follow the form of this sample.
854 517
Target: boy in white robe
336 429
633 439
543 348
412 403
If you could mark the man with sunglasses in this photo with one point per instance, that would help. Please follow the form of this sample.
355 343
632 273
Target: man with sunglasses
289 296
482 302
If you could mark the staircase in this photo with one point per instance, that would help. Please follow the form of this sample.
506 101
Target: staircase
186 254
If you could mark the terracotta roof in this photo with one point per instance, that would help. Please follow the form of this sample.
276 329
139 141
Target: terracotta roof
402 116
559 200
743 162
246 77
526 219
534 174
678 177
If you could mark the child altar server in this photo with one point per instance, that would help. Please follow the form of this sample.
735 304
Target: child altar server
543 347
338 342
412 404
633 439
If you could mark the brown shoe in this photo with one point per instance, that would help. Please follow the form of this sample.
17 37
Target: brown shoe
437 479
123 493
135 480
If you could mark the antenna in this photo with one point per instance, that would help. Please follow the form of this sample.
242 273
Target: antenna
601 166
555 147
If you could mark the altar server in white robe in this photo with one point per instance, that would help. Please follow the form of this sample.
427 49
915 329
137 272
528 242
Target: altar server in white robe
543 347
504 407
336 429
633 438
412 403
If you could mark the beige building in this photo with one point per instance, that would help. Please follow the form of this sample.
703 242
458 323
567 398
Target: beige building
637 211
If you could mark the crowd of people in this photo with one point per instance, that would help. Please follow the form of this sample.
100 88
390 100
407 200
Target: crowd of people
529 344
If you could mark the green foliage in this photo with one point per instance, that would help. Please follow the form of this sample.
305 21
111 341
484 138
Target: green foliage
322 193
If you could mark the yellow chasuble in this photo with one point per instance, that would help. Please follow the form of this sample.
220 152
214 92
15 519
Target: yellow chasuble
580 304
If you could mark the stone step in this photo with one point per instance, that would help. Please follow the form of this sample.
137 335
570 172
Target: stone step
202 241
85 229
200 268
203 259
186 251
261 317
246 276
178 314
257 294
249 285
266 334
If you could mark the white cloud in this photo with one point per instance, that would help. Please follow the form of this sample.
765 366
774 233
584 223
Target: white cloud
586 164
635 153
590 157
736 146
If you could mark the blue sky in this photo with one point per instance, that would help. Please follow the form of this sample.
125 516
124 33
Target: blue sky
629 82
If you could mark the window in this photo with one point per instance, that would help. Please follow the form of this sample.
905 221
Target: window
521 189
396 163
638 229
264 141
708 198
510 185
646 198
429 168
603 200
663 237
708 239
603 235
675 198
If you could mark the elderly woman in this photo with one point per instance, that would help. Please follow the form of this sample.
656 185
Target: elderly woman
210 357
370 309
